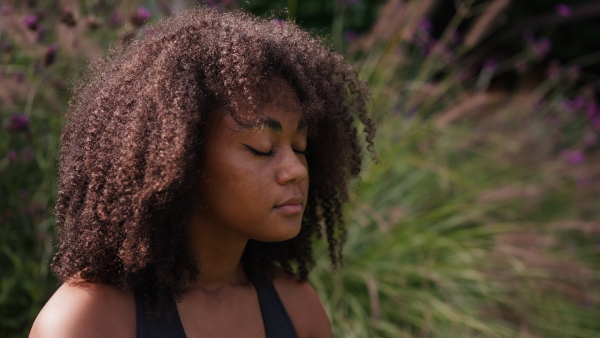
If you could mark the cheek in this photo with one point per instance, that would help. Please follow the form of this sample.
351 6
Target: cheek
235 181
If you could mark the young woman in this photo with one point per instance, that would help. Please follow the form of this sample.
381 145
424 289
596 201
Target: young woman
184 206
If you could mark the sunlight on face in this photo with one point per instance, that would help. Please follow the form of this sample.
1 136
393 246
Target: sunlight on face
254 182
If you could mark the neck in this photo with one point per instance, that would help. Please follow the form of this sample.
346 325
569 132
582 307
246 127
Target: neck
218 254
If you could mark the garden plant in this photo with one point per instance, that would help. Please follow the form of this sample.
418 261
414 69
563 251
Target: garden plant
478 219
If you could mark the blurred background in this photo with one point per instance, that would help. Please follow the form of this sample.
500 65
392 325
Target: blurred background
481 218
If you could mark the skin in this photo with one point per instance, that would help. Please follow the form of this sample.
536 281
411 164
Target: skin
253 185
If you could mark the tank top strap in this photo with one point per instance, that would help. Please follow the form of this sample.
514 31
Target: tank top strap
275 318
158 326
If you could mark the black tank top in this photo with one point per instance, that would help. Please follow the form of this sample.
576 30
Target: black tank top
275 318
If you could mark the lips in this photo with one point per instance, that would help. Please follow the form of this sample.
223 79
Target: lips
291 206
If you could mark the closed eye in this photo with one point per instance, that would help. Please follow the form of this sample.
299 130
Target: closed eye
258 153
272 152
302 152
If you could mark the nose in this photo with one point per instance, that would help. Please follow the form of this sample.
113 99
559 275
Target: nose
293 168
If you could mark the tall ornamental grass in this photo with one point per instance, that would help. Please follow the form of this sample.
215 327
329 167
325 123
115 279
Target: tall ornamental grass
479 219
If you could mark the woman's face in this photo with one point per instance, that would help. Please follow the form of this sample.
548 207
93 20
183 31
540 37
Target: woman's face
254 180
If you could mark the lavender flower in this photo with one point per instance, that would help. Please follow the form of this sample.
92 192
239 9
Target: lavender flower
6 10
350 35
564 10
5 46
115 19
67 17
12 156
140 16
541 47
31 21
490 66
17 123
50 55
92 22
591 109
426 26
577 103
573 156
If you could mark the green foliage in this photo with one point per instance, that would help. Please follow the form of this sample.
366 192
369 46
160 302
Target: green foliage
478 221
474 223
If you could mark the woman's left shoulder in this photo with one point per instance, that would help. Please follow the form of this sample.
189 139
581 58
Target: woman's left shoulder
303 305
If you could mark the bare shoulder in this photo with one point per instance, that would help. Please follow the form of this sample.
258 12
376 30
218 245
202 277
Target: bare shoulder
303 305
86 309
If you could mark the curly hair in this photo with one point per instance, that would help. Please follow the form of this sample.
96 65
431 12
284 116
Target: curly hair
130 148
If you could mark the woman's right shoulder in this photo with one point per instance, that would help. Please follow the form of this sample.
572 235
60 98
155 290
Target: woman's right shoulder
83 309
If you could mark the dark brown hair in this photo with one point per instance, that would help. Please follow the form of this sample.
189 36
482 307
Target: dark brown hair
131 145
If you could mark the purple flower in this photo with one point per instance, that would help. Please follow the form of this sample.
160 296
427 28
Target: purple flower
576 104
68 17
92 22
573 156
143 13
490 66
350 35
31 21
6 10
140 16
5 46
50 55
564 10
115 19
591 109
12 156
426 25
584 182
17 123
541 47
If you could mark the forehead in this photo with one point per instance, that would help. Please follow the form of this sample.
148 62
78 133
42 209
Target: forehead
274 103
275 118
281 95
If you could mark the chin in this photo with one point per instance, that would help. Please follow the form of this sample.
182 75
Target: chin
282 233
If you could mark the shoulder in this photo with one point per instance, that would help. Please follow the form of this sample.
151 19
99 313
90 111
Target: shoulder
86 309
303 305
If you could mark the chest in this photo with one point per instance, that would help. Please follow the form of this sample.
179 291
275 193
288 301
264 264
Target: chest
236 314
